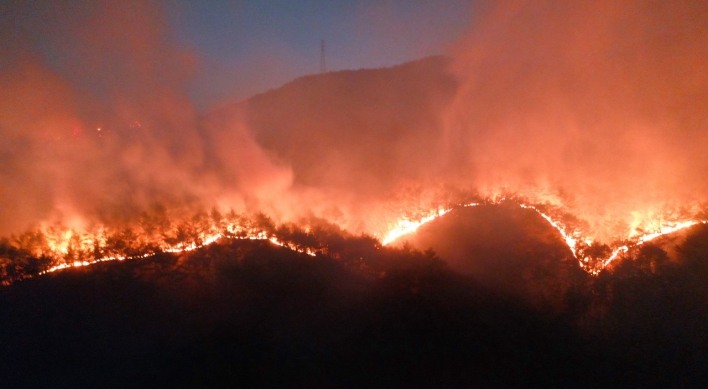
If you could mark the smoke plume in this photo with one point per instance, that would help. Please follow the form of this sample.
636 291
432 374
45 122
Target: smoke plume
598 106
600 103
96 124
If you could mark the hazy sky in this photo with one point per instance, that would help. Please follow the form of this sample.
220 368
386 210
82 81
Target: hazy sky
243 47
247 47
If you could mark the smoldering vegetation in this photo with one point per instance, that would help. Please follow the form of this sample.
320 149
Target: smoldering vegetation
247 313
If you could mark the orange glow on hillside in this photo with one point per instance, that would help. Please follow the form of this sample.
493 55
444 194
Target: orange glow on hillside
406 226
572 238
234 232
69 249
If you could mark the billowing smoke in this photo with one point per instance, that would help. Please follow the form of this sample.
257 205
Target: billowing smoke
599 103
96 124
598 107
595 105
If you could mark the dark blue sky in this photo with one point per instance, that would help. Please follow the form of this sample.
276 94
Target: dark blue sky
247 47
226 49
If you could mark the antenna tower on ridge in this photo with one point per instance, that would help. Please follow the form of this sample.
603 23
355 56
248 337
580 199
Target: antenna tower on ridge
323 66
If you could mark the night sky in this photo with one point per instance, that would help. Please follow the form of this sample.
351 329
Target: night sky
247 47
235 48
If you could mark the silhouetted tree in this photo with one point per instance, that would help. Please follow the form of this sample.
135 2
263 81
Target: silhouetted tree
694 250
264 223
154 224
651 258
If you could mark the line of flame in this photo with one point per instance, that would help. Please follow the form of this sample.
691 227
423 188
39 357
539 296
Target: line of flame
570 240
403 227
180 249
648 237
406 226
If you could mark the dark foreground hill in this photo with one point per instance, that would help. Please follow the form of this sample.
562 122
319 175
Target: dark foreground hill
504 248
249 314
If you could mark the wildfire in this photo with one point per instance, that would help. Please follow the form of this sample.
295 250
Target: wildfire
406 226
665 230
234 232
573 238
68 249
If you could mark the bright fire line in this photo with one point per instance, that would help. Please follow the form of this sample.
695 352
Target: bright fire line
180 249
403 227
406 226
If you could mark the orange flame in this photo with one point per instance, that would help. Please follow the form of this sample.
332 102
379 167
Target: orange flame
60 243
571 237
236 232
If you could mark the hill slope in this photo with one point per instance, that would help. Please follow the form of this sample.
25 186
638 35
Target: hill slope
504 247
363 130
